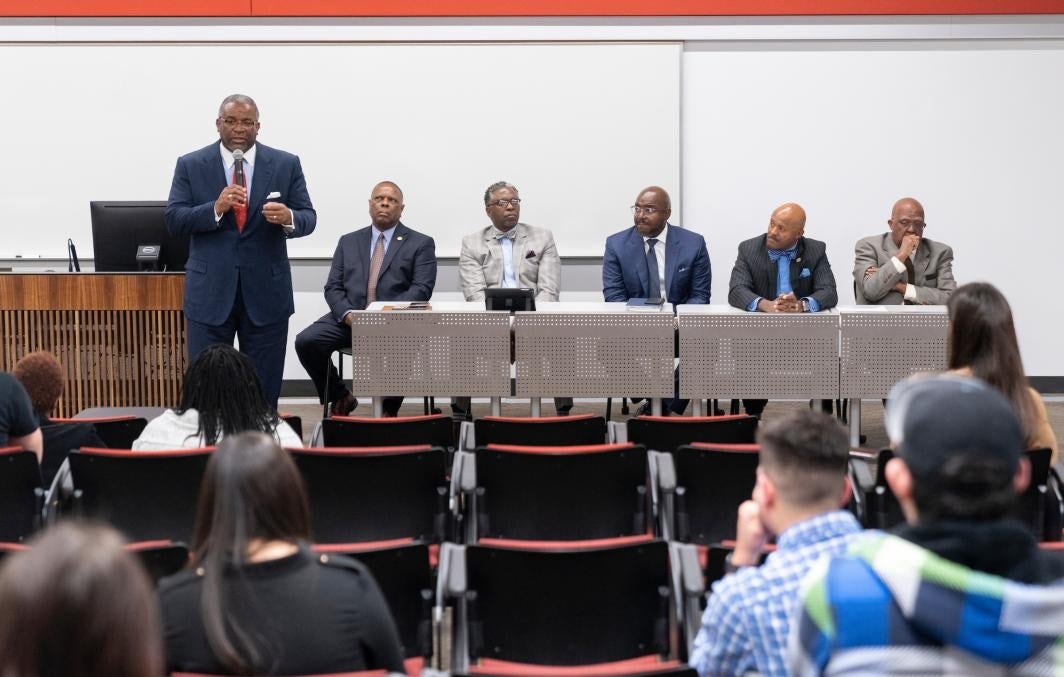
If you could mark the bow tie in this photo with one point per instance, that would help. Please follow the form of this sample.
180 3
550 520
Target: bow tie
777 254
510 234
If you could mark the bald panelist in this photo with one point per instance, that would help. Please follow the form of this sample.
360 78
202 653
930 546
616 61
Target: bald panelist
903 266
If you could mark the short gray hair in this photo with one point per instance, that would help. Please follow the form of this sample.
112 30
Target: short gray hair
238 98
498 185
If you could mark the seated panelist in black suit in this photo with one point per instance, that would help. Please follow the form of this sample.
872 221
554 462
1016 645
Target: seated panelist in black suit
385 261
782 271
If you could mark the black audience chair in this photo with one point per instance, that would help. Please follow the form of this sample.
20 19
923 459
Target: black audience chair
146 495
356 431
667 433
547 431
558 493
881 507
1040 504
360 494
160 558
21 494
711 481
117 432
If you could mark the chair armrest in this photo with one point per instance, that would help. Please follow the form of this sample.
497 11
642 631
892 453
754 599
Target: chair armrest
467 440
616 431
662 471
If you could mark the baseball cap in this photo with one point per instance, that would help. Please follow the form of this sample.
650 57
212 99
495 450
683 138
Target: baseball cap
930 419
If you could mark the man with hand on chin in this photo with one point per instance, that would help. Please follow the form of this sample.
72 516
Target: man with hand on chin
238 282
903 266
802 483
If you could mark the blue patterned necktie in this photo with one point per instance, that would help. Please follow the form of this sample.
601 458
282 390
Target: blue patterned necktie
653 281
783 258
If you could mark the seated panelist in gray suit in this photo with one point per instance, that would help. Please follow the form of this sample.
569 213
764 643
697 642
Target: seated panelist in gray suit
508 253
903 266
385 261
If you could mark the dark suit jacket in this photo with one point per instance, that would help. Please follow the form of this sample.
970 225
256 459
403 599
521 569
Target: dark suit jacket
219 256
687 271
755 275
407 274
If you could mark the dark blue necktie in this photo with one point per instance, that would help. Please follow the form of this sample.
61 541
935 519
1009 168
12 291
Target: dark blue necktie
654 290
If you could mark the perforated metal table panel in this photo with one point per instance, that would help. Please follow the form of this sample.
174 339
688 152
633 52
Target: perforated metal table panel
726 352
438 352
881 345
593 350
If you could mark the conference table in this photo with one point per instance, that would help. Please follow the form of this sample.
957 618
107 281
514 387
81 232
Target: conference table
606 350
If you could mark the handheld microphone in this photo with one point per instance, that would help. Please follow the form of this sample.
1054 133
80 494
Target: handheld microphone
73 265
238 176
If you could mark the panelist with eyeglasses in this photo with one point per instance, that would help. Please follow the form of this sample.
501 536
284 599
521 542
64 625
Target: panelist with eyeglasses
903 266
656 260
240 201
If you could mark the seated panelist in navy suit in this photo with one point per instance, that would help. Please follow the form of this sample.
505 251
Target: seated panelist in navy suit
656 259
238 282
385 261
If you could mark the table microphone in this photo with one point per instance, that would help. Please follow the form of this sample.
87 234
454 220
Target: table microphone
73 265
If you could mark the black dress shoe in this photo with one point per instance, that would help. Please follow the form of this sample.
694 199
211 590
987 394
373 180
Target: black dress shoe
343 406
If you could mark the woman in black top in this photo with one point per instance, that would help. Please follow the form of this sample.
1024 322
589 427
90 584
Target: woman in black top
255 600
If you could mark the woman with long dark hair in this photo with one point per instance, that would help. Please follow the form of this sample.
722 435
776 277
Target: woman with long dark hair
76 603
982 343
221 395
255 600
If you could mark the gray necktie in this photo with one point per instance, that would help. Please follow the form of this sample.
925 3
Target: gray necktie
375 269
654 290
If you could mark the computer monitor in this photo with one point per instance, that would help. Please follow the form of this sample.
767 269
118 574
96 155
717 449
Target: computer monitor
510 298
120 228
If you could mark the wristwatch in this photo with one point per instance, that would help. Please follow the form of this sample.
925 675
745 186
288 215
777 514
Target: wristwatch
805 305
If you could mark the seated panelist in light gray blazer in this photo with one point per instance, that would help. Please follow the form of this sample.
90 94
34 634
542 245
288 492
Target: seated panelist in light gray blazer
903 266
508 253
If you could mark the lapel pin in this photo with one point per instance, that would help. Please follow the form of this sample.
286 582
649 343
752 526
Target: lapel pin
399 237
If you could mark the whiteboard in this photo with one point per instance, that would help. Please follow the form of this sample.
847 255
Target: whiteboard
971 129
579 128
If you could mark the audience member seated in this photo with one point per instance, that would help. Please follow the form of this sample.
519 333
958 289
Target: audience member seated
255 600
801 482
18 424
960 589
220 395
42 377
76 603
982 343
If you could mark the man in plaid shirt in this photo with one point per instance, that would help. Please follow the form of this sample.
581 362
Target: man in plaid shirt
801 482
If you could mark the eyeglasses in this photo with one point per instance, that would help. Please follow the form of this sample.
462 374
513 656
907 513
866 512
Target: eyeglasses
234 122
515 201
649 211
917 224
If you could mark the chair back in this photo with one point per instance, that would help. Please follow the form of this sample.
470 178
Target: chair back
375 493
561 493
711 481
294 421
882 510
21 494
554 605
117 432
160 558
1039 506
405 579
547 431
668 433
434 430
147 495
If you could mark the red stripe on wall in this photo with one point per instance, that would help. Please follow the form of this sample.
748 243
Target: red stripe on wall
186 8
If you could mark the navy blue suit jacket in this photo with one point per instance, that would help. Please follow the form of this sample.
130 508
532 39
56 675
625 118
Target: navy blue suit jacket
220 256
407 274
687 271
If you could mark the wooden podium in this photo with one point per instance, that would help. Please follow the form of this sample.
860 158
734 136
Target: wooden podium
119 336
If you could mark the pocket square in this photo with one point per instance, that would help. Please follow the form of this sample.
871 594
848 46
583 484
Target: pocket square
530 255
274 194
805 273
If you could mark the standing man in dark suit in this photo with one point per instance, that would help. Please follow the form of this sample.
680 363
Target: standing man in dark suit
383 262
782 272
238 282
654 259
903 266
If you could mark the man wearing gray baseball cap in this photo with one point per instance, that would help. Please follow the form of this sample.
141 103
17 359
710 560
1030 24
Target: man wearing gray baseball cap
961 589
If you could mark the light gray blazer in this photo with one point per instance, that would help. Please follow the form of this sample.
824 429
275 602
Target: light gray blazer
535 260
932 263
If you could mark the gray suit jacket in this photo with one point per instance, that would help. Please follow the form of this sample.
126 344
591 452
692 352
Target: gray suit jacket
932 263
535 260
